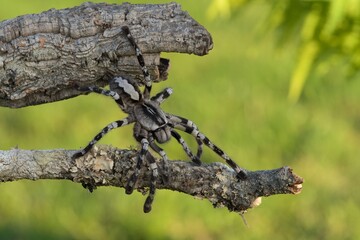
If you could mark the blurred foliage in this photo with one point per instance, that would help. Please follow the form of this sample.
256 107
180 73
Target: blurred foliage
326 33
237 95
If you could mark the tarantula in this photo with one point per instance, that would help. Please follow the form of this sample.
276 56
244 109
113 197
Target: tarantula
151 124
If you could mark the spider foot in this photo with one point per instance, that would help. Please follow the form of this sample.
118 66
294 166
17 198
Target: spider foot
91 186
84 89
77 155
149 200
147 204
196 161
131 184
241 174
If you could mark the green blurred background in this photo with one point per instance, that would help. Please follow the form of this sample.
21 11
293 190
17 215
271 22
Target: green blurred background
276 90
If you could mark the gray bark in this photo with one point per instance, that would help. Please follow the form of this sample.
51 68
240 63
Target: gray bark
108 166
44 56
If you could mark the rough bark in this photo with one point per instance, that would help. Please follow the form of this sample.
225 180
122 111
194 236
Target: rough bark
44 56
108 166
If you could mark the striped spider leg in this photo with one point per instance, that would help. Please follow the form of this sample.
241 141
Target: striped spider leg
103 132
189 127
162 96
152 188
139 55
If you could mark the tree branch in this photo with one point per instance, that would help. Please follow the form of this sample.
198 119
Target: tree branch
108 166
42 56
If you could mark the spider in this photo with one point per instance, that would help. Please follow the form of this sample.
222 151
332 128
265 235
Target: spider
151 124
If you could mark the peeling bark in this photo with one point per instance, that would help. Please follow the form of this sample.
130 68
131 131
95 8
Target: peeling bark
108 166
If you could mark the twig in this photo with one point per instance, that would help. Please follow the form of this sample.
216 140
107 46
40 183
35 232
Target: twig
108 166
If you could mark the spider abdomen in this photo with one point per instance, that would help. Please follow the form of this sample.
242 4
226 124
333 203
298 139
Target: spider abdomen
163 134
128 91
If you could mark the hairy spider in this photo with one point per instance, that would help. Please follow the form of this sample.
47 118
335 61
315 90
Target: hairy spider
151 124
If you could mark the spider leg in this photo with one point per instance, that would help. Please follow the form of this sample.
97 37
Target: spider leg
163 95
150 198
199 150
177 136
108 93
182 124
157 149
153 166
102 91
154 169
139 55
104 131
191 128
132 180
